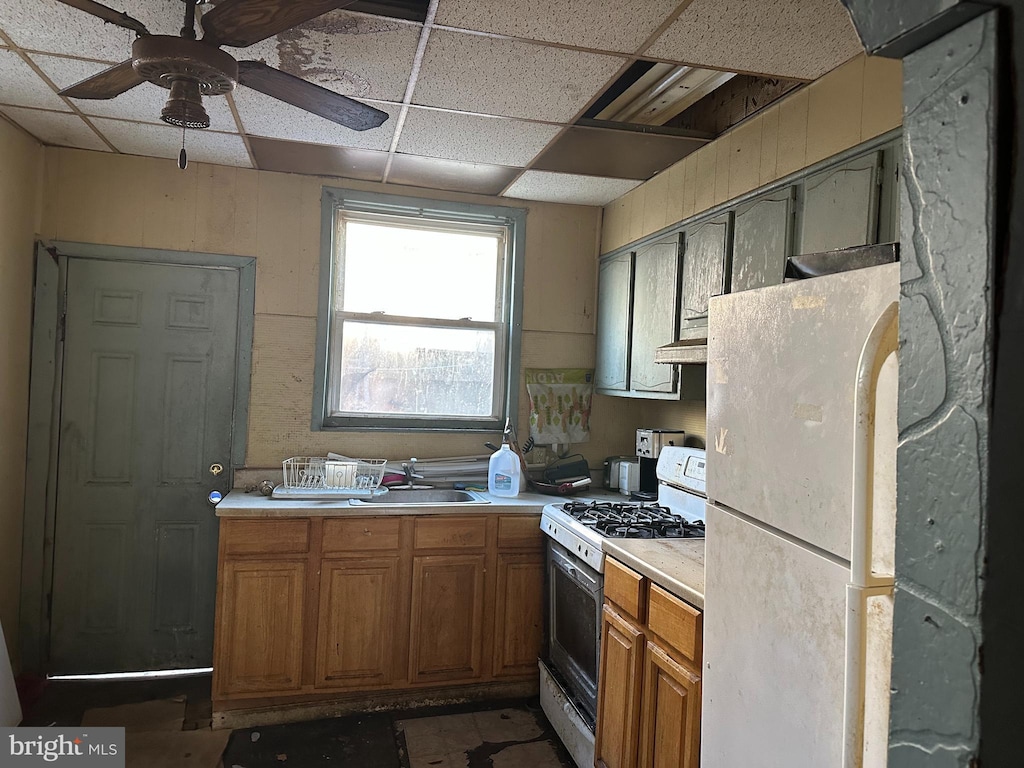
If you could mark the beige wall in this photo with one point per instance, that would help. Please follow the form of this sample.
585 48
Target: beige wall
851 104
21 166
131 201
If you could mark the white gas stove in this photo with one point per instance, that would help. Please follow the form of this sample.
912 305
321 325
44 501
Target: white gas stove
575 561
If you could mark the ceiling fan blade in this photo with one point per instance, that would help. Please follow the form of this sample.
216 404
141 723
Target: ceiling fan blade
106 84
310 97
108 14
239 23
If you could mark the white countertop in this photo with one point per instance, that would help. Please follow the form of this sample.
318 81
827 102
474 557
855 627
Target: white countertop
241 504
676 565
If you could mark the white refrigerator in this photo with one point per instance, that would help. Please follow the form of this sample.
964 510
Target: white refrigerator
801 485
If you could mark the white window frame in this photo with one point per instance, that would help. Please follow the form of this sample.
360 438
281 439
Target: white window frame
417 213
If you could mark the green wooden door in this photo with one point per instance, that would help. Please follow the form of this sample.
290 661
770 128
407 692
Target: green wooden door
147 396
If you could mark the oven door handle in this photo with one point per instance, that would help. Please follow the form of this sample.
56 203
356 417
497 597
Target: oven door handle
568 568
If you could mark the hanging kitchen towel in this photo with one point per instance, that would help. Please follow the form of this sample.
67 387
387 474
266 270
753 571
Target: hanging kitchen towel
560 401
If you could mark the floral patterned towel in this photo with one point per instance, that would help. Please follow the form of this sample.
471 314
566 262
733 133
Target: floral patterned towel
560 400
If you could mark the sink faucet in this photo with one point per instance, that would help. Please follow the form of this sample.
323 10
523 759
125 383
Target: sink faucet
409 467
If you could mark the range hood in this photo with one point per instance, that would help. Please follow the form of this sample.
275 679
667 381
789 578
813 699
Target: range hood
692 347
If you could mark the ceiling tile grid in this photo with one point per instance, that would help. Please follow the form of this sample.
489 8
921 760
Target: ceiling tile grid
605 25
62 129
364 57
800 39
46 25
21 86
165 141
510 78
473 138
568 188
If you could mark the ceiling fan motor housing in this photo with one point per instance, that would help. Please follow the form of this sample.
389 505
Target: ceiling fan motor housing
191 69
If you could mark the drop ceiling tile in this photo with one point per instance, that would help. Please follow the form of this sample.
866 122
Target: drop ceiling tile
165 141
607 25
142 103
62 129
568 188
499 76
435 173
473 138
318 159
265 116
622 154
801 39
365 57
46 25
21 86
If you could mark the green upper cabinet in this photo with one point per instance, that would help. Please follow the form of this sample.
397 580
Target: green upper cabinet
654 312
614 316
704 267
840 205
637 308
762 240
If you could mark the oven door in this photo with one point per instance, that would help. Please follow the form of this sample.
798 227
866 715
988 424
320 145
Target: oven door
574 626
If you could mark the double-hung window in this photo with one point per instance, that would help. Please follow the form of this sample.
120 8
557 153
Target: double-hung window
419 313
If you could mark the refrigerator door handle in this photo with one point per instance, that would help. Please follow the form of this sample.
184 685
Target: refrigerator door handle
882 342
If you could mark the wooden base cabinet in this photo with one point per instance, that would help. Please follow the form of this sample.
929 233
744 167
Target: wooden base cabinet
321 609
260 636
648 711
358 621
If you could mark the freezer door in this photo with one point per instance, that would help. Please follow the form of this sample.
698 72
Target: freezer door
782 371
774 650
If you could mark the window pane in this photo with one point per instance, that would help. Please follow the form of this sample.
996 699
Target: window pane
404 370
420 272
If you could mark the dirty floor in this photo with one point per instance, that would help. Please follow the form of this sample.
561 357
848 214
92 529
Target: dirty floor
501 734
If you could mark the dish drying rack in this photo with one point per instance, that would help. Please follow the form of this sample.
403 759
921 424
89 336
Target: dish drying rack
316 477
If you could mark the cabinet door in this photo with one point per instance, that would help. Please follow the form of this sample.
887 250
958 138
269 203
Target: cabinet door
260 620
618 698
357 623
519 614
840 206
707 245
655 282
447 617
761 241
671 713
614 289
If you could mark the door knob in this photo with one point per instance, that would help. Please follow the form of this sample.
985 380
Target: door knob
216 469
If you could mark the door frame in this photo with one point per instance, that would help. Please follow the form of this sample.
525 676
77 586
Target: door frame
45 378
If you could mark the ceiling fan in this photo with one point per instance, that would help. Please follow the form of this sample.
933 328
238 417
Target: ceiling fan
193 68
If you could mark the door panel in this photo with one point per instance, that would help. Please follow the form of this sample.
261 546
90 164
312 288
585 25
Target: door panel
761 241
147 398
707 246
613 321
519 619
840 207
620 681
654 315
671 713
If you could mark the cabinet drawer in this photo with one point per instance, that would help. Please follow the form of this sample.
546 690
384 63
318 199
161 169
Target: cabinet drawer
361 534
520 531
624 587
679 624
265 537
449 533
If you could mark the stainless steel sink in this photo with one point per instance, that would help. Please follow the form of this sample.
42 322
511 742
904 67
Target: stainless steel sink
423 497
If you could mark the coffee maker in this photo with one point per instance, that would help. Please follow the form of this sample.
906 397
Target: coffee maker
649 443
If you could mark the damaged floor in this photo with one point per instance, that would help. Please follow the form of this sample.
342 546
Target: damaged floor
505 734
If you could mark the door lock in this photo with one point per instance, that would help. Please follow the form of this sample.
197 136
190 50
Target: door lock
216 469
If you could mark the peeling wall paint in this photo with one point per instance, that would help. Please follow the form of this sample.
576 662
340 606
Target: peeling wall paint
946 337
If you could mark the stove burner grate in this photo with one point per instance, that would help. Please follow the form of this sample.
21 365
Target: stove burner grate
621 520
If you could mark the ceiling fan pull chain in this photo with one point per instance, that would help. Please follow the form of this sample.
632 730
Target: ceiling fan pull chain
182 157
